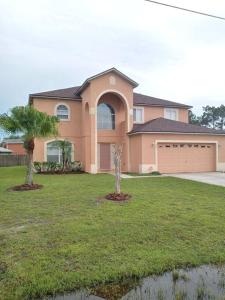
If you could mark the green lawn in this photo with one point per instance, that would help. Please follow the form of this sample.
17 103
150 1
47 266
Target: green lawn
60 238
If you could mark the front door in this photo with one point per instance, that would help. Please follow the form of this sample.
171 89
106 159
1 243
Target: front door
104 156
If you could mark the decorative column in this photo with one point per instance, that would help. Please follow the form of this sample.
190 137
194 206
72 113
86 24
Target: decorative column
93 143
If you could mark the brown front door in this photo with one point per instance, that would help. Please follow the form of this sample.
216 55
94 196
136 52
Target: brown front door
105 156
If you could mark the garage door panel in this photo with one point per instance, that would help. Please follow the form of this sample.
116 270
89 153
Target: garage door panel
189 157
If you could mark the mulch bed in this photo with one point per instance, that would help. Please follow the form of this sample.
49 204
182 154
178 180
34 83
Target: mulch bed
59 172
26 187
118 197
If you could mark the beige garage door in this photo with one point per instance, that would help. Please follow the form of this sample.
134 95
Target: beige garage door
186 157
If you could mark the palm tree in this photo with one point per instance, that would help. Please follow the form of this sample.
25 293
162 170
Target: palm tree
32 124
65 147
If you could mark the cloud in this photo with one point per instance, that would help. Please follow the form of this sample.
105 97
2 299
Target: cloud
50 44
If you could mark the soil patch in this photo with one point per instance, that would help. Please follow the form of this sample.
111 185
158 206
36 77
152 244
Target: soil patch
118 197
26 187
59 172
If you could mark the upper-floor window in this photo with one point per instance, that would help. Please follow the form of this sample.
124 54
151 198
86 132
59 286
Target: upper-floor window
105 116
138 114
171 113
62 112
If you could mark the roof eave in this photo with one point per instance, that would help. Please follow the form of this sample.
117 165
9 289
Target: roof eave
31 96
168 105
172 132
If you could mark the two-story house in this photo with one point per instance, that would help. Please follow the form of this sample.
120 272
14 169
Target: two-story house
155 133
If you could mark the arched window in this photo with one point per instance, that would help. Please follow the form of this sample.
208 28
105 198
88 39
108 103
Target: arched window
105 116
62 112
55 148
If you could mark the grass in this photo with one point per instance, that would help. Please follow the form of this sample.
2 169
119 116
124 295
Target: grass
60 238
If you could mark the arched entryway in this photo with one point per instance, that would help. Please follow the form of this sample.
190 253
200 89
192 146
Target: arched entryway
112 123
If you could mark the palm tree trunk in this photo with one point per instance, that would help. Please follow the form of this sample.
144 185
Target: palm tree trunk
29 177
63 159
29 146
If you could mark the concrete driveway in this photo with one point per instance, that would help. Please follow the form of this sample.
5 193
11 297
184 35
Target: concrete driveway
216 178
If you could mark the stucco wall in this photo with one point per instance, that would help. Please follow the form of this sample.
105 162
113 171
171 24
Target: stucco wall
151 113
69 129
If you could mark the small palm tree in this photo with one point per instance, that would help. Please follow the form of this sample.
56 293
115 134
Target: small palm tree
65 147
32 124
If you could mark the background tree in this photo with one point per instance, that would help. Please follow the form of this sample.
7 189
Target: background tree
117 155
220 124
193 118
32 124
210 116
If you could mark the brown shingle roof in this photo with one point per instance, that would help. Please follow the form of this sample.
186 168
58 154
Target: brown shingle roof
166 125
144 100
69 93
139 99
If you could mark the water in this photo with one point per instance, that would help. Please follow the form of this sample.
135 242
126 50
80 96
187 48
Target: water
206 282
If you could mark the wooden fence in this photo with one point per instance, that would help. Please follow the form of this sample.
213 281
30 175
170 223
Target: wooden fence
12 160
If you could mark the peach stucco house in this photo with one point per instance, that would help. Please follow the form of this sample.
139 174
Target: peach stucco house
155 133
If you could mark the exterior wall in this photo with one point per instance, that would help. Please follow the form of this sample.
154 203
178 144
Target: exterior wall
183 115
149 155
151 113
69 129
16 148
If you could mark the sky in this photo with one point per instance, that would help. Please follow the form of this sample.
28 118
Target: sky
52 44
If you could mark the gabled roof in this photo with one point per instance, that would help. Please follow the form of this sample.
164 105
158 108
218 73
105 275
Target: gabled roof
114 70
162 125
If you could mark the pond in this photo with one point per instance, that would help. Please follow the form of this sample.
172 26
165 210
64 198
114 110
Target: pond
204 282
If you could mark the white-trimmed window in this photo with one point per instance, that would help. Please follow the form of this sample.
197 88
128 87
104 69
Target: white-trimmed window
54 152
138 114
62 112
171 114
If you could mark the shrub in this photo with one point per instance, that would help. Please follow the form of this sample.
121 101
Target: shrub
156 173
37 166
76 166
54 167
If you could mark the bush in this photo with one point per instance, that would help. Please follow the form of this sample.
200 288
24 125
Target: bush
54 167
76 166
37 166
156 173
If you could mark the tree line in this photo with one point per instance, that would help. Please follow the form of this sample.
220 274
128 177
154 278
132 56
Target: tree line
212 116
